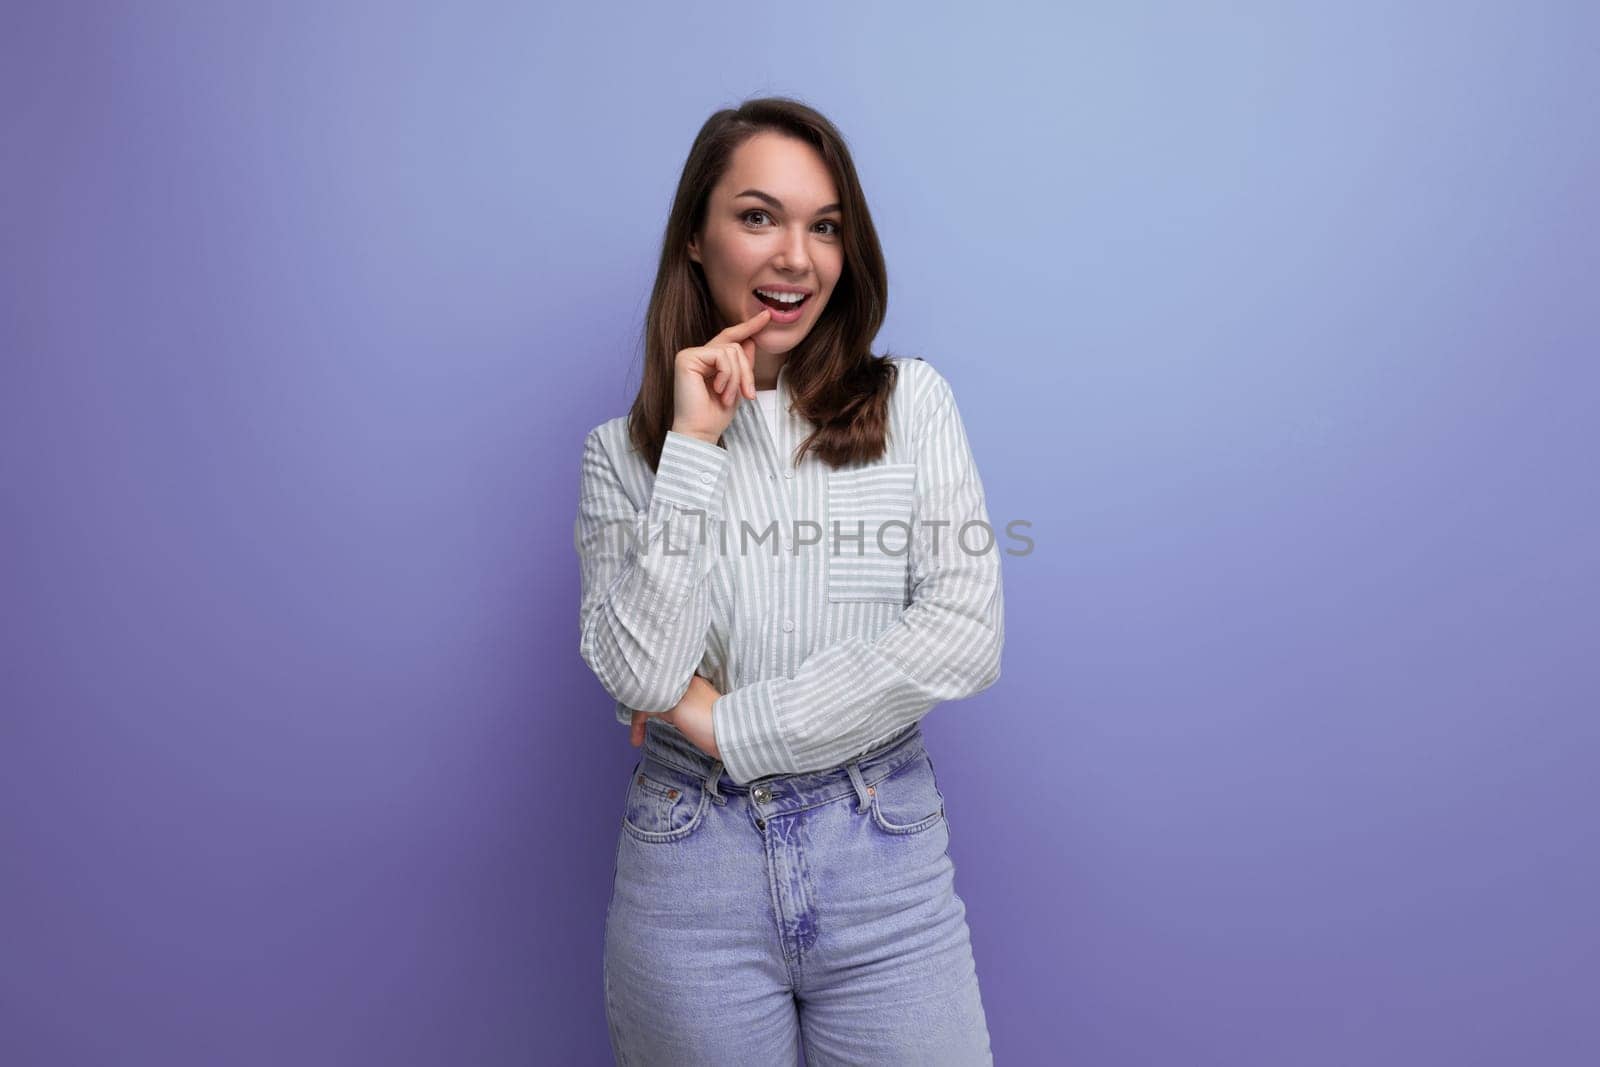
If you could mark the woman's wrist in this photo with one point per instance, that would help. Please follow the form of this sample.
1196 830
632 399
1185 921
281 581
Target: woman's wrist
697 436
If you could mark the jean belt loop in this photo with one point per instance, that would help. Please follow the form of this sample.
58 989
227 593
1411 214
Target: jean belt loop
861 787
713 778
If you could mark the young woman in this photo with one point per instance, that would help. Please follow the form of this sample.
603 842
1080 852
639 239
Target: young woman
786 562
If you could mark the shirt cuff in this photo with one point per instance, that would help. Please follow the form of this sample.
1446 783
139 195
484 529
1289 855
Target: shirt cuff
692 474
749 741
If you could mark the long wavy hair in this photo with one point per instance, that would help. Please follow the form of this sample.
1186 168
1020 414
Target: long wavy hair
836 381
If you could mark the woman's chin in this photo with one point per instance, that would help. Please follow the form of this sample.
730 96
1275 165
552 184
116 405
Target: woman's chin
780 345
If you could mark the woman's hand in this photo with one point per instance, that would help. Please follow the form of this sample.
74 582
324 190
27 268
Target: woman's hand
691 715
707 380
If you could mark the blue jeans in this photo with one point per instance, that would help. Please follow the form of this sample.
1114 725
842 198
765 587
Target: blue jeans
813 908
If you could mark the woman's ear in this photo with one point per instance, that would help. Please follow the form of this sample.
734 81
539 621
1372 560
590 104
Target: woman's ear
694 250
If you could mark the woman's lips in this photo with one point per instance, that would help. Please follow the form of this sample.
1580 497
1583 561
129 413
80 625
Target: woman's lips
785 316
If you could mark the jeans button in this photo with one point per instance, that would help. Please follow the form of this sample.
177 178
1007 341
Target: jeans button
762 795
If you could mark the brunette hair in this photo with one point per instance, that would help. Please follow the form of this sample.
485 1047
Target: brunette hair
836 381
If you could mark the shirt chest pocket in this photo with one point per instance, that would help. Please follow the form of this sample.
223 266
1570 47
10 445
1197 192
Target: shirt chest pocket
868 534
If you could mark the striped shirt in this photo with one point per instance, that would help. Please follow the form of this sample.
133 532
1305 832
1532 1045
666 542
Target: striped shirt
831 608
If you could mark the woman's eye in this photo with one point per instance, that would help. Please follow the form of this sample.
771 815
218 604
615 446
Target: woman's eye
746 216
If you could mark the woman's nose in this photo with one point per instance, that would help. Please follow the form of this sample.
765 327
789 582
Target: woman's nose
793 255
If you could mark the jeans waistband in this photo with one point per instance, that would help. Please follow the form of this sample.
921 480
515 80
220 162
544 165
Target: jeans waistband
664 743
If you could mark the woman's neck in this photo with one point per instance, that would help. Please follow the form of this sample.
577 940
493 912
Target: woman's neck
767 367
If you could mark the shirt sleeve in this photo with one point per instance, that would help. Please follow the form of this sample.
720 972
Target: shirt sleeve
849 696
645 609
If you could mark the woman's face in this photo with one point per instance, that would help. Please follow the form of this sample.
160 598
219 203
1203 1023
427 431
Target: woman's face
772 221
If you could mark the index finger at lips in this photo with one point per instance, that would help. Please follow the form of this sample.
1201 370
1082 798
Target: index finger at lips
740 330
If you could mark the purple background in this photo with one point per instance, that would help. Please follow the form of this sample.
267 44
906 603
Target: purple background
1280 328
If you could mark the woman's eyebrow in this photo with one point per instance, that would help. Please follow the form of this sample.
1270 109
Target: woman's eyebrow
775 202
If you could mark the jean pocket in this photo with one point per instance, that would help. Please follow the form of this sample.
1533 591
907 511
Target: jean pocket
663 803
908 801
868 536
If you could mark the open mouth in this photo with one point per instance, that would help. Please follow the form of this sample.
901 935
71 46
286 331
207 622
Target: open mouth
781 305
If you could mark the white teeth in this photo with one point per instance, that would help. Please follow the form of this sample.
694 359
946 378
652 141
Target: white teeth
786 298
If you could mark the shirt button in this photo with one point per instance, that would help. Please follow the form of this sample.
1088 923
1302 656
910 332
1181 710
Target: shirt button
706 477
788 474
788 546
788 626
